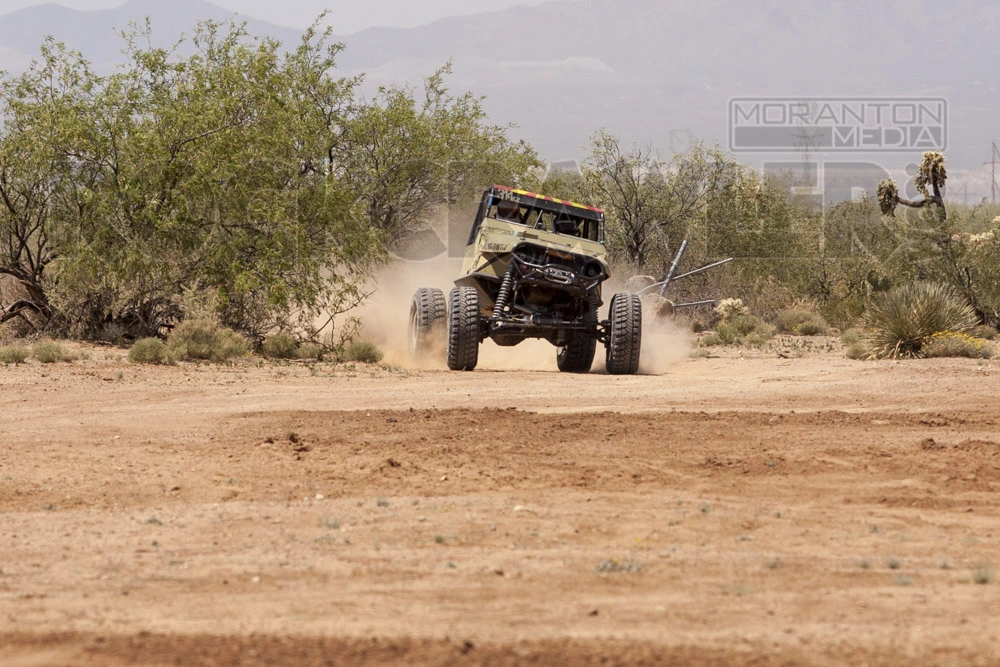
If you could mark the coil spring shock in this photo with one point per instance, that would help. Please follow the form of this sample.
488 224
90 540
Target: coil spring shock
593 300
503 296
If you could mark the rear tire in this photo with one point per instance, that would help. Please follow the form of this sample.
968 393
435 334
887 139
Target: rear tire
577 356
427 318
463 329
626 334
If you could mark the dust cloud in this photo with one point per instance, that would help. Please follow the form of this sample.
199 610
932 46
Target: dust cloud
664 345
385 322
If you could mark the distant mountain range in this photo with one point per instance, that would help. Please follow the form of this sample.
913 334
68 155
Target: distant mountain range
654 71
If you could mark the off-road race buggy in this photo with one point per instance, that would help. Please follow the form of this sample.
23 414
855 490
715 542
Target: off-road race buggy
533 268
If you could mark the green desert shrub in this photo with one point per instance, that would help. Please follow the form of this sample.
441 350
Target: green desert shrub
363 351
851 336
955 344
14 354
148 351
801 322
205 339
711 340
280 346
311 351
50 352
741 329
902 319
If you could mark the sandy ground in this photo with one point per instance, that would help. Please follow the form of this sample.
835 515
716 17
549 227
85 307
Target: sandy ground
737 509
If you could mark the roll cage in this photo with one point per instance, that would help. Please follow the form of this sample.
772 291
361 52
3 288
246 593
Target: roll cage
536 211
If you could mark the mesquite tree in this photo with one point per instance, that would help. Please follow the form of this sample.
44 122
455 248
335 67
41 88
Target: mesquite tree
247 177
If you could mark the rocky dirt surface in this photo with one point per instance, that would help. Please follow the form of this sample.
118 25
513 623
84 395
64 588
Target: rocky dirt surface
742 508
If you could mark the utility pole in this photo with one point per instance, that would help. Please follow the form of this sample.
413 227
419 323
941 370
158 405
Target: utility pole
994 188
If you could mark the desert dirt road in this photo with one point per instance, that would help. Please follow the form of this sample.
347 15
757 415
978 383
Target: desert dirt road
738 509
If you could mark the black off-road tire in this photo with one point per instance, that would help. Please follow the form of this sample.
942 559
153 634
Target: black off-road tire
463 329
577 356
428 313
625 338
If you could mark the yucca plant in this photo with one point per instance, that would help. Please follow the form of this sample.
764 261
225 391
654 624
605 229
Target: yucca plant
902 320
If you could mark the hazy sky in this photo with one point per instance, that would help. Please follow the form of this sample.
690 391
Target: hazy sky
345 15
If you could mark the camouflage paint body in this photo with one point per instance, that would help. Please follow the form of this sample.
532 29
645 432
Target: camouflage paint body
559 261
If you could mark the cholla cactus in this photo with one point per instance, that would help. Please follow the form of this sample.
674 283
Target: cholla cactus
727 309
976 240
888 196
931 173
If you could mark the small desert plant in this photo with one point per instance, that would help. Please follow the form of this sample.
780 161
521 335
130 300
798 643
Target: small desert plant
851 336
857 350
312 351
984 331
112 333
954 344
903 319
615 565
982 573
14 354
148 351
205 339
801 322
363 351
49 352
740 330
280 346
711 340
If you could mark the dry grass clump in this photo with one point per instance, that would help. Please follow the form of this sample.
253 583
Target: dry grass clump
14 354
148 351
801 322
363 351
205 339
858 350
984 331
955 344
50 352
902 320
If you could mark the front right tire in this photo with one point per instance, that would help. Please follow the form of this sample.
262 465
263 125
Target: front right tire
625 338
463 329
